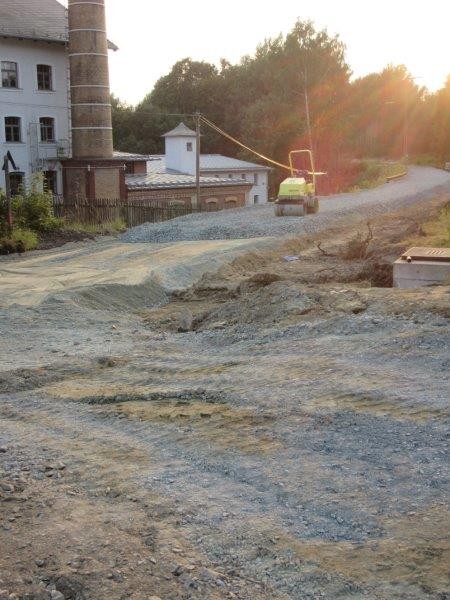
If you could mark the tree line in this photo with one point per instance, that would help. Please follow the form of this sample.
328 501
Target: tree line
294 92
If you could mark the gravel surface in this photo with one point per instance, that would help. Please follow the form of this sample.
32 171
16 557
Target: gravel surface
260 221
293 446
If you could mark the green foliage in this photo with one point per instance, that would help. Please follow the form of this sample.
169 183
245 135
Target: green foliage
262 101
371 173
427 160
26 237
34 209
108 228
435 232
20 240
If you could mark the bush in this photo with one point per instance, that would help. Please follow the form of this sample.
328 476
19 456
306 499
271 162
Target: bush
31 210
20 240
357 247
427 160
34 210
371 173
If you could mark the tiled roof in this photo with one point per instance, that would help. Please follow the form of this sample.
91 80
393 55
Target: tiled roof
129 156
214 162
208 162
180 131
35 20
174 181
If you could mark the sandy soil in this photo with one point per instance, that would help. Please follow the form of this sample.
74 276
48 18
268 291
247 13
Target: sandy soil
231 425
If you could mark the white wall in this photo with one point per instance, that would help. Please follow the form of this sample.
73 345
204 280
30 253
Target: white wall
177 155
28 103
260 189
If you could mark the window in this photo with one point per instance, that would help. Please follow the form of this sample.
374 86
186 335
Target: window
15 183
230 175
12 129
44 78
255 199
255 178
189 146
243 176
9 74
47 129
50 181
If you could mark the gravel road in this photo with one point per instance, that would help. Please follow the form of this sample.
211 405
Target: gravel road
260 221
293 446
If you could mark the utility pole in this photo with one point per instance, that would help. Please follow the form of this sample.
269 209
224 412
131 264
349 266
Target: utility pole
308 117
405 126
197 159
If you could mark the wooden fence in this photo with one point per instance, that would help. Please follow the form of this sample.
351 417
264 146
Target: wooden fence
104 210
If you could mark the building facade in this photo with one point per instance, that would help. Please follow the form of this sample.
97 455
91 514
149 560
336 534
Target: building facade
35 98
34 109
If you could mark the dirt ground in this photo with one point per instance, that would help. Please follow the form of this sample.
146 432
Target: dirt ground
274 428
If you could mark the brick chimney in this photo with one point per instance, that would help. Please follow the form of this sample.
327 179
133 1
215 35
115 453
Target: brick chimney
92 172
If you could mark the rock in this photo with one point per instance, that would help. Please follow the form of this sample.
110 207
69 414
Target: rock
55 595
178 571
70 588
154 598
3 449
7 487
40 563
186 320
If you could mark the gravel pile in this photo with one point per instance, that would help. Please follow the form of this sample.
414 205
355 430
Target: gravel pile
260 221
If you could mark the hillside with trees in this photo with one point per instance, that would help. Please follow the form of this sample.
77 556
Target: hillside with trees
295 91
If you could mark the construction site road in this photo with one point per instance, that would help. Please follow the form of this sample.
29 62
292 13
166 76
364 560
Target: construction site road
260 220
208 420
93 266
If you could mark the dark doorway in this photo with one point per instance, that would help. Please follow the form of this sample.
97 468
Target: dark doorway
50 183
16 183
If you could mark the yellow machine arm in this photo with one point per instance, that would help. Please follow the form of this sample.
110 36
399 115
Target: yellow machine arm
312 172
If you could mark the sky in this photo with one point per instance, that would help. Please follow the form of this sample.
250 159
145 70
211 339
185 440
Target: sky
152 36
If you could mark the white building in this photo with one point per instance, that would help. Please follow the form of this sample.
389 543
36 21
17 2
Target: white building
34 89
179 158
34 105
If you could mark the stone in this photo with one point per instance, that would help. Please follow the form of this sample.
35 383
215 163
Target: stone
186 320
55 595
6 487
3 449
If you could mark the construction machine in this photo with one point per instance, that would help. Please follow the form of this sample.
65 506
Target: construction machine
297 194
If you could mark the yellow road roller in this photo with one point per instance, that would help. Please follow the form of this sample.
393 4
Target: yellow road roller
297 194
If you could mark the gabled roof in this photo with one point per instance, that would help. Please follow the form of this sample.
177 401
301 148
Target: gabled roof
43 20
218 162
131 157
208 162
180 131
177 180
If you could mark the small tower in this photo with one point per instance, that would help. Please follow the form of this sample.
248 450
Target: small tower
181 147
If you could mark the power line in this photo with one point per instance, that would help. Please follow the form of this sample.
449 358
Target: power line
253 151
